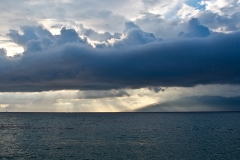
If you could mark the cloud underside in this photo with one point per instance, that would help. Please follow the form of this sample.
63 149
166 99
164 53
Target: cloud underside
181 62
195 104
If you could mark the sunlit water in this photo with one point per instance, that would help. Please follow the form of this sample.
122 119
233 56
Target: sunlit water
120 135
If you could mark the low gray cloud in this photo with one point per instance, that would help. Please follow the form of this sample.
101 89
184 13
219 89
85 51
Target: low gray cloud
69 62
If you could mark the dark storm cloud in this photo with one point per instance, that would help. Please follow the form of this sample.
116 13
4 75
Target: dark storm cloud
156 89
102 94
201 103
71 63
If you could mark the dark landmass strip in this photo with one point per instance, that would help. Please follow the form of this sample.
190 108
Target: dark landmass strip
195 104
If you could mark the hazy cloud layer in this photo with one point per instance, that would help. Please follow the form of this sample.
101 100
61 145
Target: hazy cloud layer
102 94
115 100
158 16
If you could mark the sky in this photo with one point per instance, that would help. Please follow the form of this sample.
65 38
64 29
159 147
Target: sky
114 56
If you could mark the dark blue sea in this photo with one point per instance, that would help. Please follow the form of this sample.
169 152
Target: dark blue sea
120 136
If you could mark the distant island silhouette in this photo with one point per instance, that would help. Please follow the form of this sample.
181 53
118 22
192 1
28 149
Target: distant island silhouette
195 104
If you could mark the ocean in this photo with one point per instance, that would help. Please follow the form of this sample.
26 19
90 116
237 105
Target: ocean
120 136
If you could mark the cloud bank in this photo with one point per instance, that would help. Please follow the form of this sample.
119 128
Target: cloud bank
136 59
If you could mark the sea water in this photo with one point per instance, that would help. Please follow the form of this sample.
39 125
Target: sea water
120 135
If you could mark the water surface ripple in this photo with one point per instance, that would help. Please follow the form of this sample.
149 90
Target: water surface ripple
120 135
